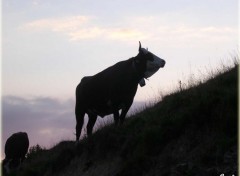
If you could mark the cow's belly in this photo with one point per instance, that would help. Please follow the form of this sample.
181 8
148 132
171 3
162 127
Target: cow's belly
98 112
105 109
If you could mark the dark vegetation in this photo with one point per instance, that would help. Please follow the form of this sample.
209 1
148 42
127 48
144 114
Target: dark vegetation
190 132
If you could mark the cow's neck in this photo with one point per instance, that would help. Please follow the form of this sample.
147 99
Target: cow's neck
138 76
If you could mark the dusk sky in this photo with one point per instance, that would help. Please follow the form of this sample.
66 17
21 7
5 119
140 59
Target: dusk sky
48 46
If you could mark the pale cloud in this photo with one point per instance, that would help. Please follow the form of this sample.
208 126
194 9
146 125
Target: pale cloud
46 132
87 33
205 30
208 33
66 24
82 27
35 2
182 36
168 31
126 34
79 28
107 33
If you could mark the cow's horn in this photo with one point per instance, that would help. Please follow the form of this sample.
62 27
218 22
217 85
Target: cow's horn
140 46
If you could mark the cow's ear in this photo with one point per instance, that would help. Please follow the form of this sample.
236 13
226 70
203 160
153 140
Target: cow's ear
139 47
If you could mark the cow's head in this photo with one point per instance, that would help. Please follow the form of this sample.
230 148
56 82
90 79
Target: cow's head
147 63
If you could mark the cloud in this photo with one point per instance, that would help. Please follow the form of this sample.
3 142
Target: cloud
46 120
107 33
153 28
82 27
126 34
88 33
65 24
177 31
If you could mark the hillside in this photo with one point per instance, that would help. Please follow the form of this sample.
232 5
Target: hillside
190 132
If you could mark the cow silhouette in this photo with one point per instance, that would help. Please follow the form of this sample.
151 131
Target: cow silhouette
113 89
16 148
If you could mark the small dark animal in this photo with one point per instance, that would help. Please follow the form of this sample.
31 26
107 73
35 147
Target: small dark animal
113 89
16 148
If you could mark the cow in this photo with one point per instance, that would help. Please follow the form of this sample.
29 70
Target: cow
113 89
16 148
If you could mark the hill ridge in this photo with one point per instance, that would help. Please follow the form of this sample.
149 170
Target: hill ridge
189 132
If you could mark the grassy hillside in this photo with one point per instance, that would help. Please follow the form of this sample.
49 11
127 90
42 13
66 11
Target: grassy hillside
190 132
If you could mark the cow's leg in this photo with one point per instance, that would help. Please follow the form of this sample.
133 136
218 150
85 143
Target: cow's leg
80 120
6 166
116 117
19 163
91 122
123 113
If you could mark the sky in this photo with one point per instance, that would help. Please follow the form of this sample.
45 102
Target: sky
48 46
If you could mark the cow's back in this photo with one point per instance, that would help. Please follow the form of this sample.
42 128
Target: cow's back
113 78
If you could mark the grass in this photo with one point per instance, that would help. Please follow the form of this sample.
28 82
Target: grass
192 131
